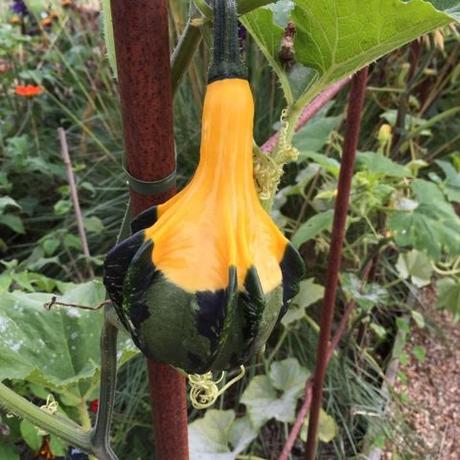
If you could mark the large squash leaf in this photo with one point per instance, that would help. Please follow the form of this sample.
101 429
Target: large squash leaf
338 37
55 348
219 435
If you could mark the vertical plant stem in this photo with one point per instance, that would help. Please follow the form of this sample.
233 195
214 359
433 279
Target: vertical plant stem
74 197
185 49
144 74
356 99
65 428
100 437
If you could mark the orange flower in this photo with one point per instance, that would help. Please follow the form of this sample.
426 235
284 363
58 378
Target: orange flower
15 20
28 90
46 22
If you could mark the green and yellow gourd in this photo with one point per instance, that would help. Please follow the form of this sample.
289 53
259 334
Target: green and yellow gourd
205 277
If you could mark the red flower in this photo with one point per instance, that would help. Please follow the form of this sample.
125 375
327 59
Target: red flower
28 90
94 406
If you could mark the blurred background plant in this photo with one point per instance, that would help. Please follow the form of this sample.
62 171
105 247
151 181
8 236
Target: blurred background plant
403 229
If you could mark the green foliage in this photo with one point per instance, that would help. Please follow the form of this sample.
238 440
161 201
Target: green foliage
220 435
427 223
313 227
402 214
449 295
327 429
57 349
275 395
309 293
8 452
336 38
416 266
31 435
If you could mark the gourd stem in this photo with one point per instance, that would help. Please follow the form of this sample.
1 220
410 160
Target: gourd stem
226 54
55 424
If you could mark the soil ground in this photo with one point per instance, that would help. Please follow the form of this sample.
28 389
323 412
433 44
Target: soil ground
433 385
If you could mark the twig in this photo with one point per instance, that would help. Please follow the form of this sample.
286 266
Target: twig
309 111
74 197
355 105
49 305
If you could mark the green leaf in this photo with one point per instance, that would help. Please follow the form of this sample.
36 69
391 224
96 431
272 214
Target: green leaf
449 295
338 37
50 246
8 452
62 207
380 331
430 225
452 182
275 395
419 352
309 293
72 241
13 222
93 224
313 227
330 165
281 11
31 435
53 348
327 428
368 296
315 133
415 265
418 318
219 436
8 202
452 7
381 165
57 446
267 34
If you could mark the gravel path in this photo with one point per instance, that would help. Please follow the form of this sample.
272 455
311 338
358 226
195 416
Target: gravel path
433 385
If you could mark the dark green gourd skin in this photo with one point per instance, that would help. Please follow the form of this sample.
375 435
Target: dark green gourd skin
196 332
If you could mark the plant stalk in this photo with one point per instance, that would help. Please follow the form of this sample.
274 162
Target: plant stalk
186 47
64 428
144 75
355 105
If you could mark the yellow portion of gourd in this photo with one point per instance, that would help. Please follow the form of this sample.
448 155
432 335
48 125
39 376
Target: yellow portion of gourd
217 221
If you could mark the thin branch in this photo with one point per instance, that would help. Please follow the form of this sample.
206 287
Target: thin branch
74 197
355 105
54 301
309 111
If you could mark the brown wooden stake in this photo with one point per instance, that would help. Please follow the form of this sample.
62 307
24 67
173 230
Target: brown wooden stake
356 99
143 62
